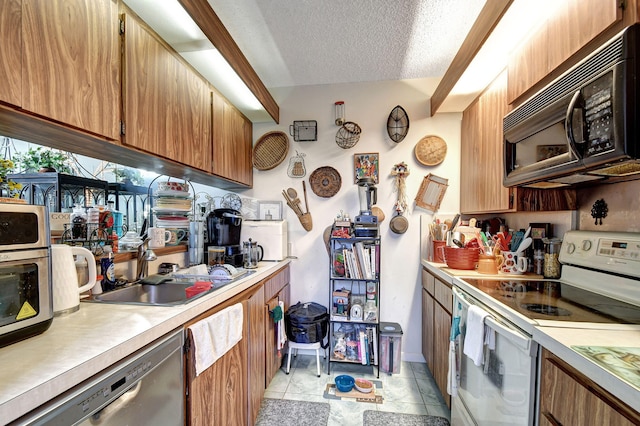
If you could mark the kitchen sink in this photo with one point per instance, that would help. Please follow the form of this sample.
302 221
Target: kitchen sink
169 293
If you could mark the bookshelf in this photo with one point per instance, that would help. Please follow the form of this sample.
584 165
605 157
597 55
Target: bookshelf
354 298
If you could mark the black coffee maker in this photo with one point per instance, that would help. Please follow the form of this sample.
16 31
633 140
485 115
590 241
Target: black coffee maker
223 229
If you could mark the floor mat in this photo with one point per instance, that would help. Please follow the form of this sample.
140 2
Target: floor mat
284 412
382 418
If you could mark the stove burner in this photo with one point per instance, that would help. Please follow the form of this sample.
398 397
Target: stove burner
541 308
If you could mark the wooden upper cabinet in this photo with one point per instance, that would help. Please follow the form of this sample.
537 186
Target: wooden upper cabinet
232 143
167 106
11 47
481 167
71 62
574 24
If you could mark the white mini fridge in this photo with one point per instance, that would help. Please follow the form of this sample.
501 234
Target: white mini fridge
270 234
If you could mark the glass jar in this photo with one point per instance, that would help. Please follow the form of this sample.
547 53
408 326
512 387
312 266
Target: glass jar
552 265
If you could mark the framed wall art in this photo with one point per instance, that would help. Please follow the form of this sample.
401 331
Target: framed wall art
366 165
270 210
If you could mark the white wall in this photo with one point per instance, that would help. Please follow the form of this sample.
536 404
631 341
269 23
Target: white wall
369 105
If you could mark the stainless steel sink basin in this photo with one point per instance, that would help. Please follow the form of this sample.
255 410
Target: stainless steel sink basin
166 294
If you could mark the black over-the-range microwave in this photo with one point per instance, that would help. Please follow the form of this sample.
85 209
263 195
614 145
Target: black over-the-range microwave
582 127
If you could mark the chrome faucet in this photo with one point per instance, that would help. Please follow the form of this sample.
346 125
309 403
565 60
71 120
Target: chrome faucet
145 255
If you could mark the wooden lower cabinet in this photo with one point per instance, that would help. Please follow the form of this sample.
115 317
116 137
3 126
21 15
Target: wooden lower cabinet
436 325
231 390
218 396
276 290
567 397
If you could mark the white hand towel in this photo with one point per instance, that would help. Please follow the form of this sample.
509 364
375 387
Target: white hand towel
214 336
282 335
490 337
452 374
474 337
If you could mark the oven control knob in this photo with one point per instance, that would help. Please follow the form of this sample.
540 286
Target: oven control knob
586 245
571 248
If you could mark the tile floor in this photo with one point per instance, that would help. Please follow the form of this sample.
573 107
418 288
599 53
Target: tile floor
412 391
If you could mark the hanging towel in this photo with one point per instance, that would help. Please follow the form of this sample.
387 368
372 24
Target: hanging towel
214 336
282 335
453 376
474 337
490 338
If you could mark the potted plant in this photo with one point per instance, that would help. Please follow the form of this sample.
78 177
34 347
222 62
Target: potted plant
128 176
42 159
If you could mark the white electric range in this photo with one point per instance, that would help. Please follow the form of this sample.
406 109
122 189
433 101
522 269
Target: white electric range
599 289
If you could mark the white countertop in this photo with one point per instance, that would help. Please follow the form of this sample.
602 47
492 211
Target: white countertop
81 344
560 339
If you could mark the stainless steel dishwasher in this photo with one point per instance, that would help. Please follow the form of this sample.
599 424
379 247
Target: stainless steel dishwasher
145 388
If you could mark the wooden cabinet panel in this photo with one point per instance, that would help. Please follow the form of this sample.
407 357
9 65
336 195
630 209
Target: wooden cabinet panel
11 47
273 358
427 328
232 142
481 156
219 395
442 330
574 24
436 328
428 281
590 405
71 63
167 107
256 353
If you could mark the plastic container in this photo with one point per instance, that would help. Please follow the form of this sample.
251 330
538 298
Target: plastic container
552 267
390 347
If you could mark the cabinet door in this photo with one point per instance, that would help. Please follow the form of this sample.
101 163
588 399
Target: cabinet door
218 396
273 357
481 166
256 353
232 142
167 107
11 47
427 328
442 329
71 63
587 407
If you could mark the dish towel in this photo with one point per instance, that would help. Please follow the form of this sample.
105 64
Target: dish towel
474 337
214 336
453 375
282 335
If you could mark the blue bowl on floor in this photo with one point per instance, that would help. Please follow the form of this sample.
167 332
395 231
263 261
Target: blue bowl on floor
345 383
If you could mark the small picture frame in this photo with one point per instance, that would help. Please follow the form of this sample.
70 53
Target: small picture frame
366 165
431 192
269 210
540 230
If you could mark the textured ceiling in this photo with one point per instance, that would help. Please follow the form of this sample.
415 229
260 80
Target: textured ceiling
307 42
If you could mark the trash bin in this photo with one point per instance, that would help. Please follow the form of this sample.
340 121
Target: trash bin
390 347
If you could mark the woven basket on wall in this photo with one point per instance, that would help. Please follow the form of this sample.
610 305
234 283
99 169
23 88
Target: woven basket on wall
270 150
348 135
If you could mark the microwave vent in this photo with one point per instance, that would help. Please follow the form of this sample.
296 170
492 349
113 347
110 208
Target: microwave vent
625 169
585 70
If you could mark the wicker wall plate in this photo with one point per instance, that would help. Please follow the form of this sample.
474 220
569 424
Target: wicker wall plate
431 150
325 181
270 150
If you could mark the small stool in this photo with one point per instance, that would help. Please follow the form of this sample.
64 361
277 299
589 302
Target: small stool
295 346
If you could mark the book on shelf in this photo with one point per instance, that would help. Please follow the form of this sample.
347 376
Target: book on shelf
364 348
360 261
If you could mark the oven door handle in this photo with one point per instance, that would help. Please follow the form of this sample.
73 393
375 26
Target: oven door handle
521 340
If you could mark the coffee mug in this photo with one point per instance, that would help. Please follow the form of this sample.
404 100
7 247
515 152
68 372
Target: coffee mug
489 264
158 237
512 263
176 235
